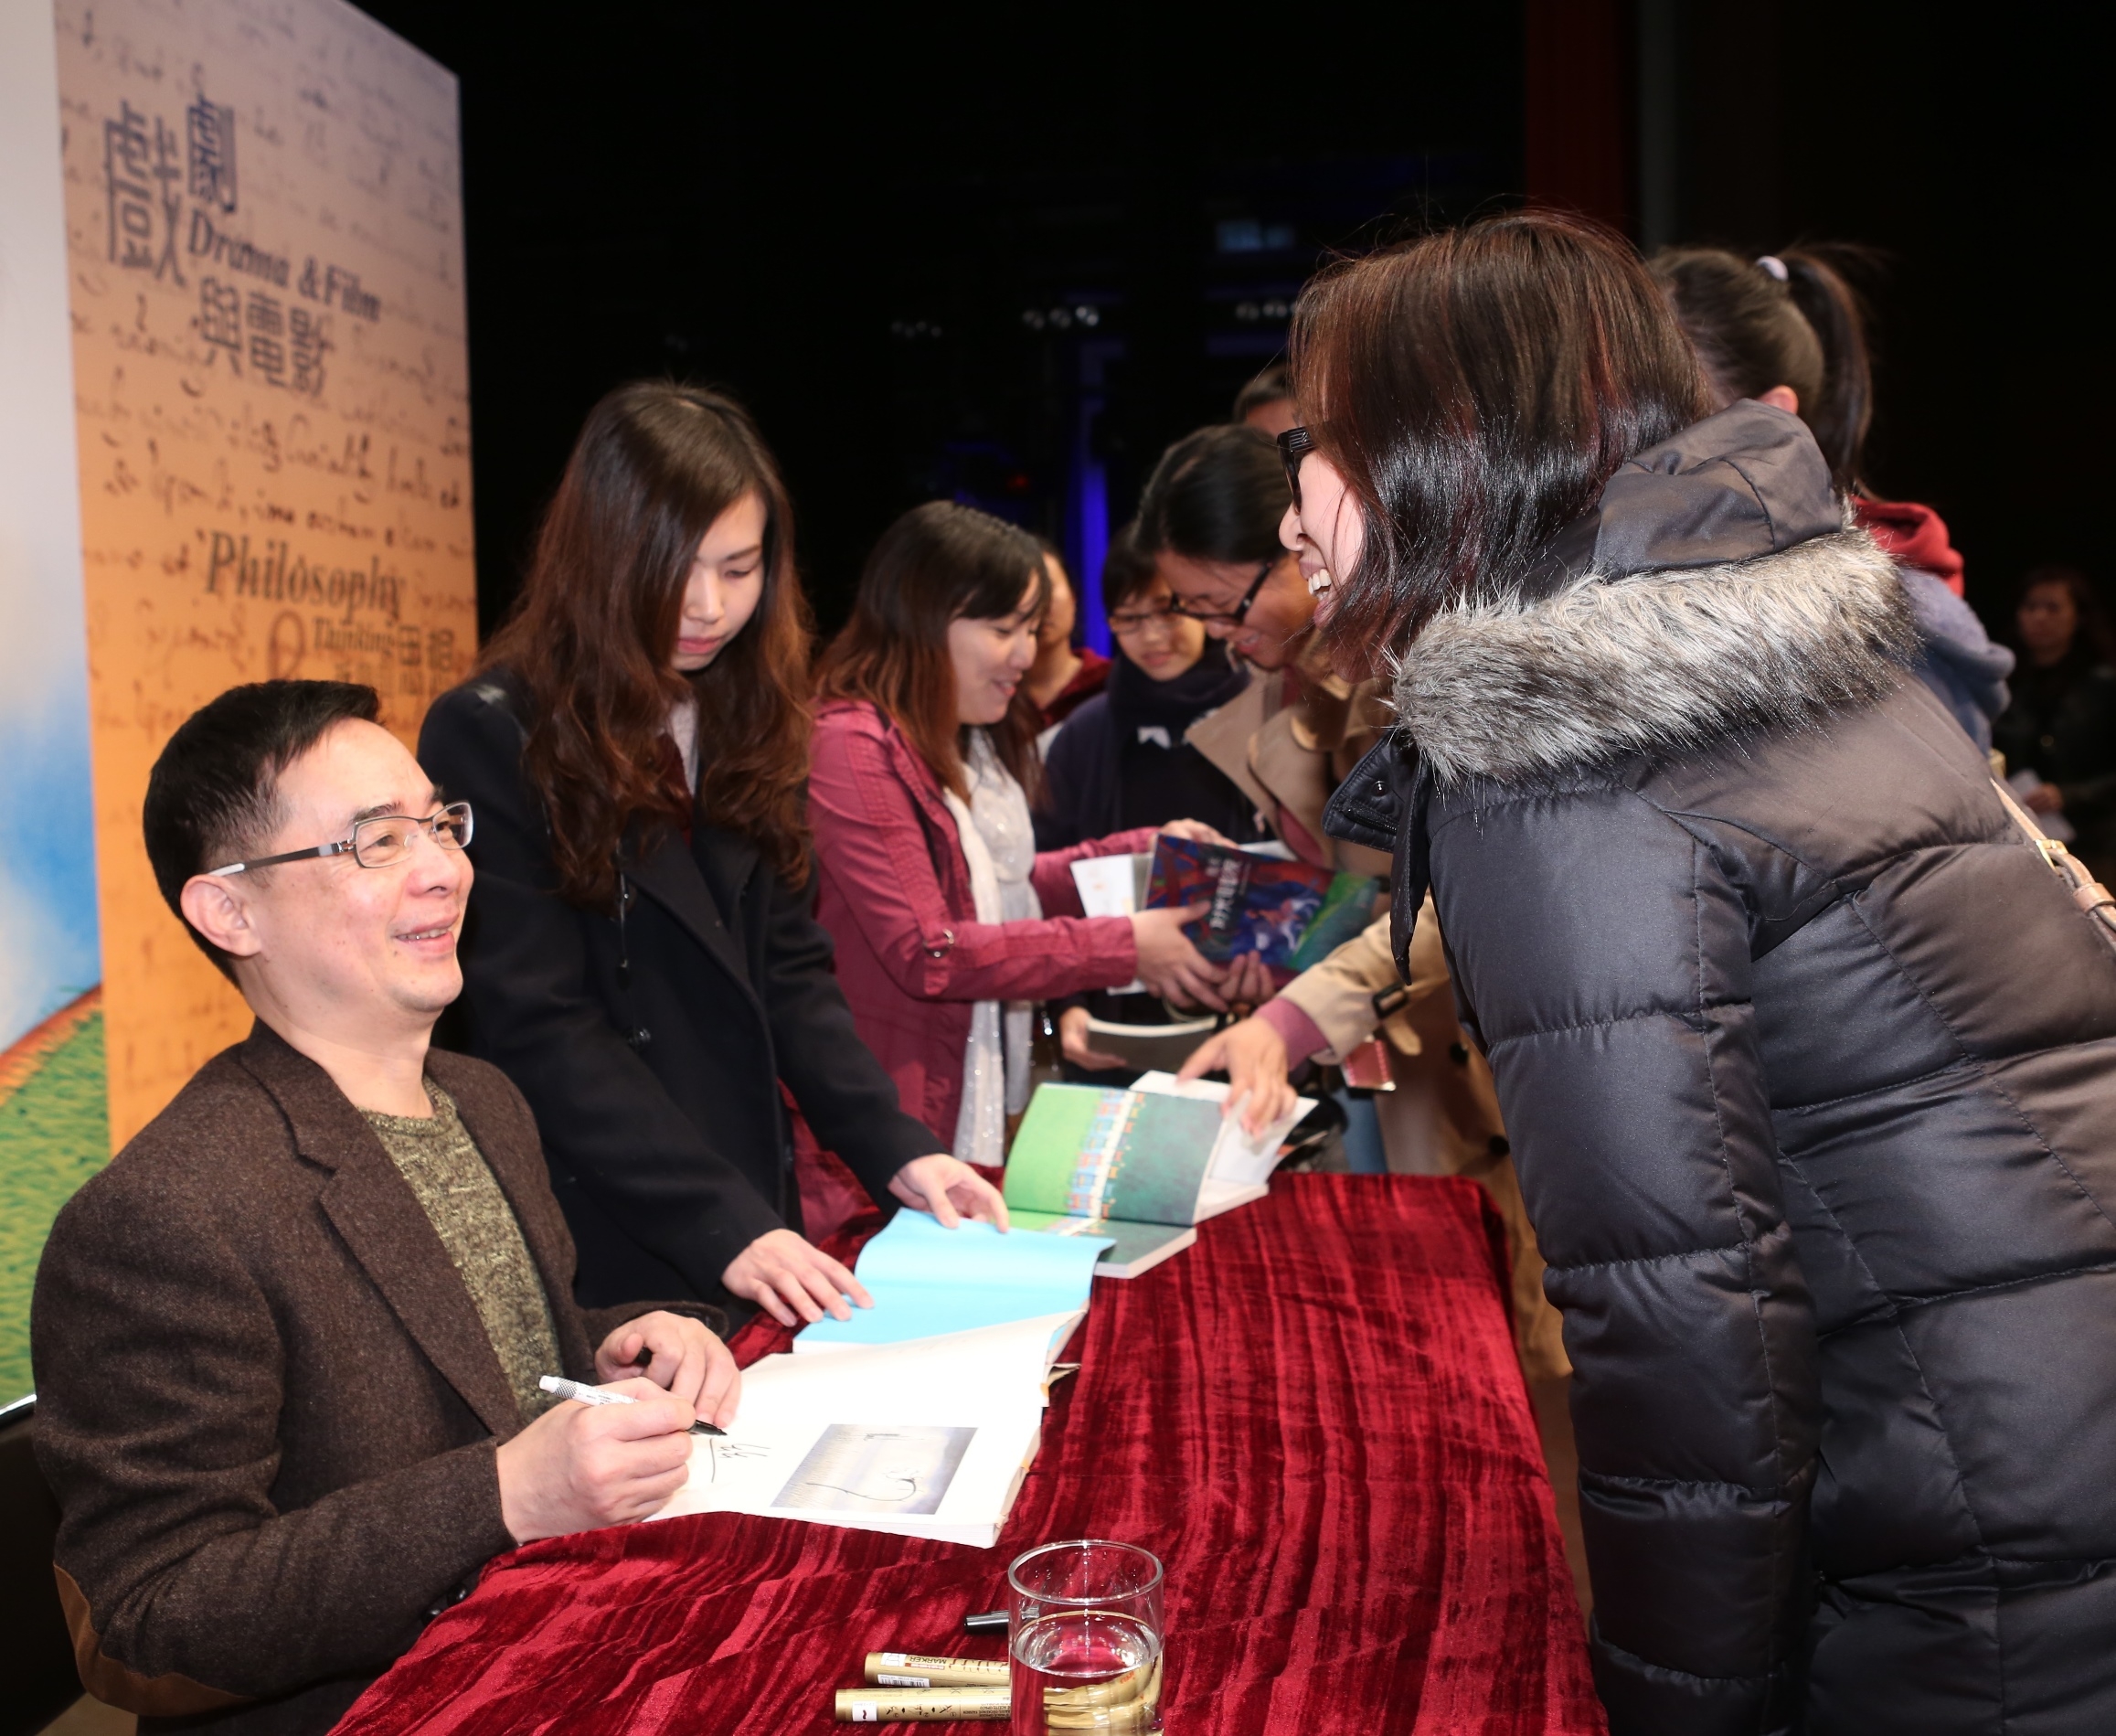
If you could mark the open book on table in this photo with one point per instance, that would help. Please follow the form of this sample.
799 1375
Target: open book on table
1140 1167
926 1281
928 1438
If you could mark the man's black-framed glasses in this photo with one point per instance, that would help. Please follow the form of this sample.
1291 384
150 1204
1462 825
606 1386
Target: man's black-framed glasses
1229 617
1294 444
379 841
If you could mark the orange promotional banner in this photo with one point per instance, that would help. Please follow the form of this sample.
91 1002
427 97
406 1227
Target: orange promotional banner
264 250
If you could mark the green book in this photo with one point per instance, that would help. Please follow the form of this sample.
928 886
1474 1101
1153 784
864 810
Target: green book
1135 1166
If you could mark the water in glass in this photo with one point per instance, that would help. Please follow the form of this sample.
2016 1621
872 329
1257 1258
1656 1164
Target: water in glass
1085 1670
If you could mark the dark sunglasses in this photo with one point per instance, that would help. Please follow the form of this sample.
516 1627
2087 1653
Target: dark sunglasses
1294 444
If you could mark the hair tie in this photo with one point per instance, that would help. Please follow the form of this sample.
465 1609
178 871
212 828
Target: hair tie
1772 266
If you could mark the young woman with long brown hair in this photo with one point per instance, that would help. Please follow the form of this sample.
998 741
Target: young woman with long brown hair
947 920
1807 1056
641 957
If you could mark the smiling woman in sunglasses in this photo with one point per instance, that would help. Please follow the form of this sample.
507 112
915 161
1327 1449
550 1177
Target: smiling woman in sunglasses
641 957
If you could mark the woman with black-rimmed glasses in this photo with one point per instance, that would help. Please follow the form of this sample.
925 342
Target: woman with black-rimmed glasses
1209 520
1121 760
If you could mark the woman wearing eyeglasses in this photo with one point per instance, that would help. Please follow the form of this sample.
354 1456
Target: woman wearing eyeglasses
1121 760
1209 518
1213 511
947 920
640 956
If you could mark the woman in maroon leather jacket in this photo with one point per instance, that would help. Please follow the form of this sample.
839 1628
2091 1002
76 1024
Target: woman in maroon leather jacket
927 875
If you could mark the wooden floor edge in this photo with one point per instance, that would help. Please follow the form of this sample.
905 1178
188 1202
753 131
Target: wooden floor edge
18 1065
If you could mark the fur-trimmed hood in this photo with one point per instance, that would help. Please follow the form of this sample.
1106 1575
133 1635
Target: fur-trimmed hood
1716 587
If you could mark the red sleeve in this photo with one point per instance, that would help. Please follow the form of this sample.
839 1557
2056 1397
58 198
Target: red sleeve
873 845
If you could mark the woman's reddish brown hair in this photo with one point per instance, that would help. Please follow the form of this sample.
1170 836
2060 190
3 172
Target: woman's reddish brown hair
938 563
593 640
1476 389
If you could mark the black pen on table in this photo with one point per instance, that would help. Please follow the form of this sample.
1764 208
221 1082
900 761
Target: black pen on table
583 1394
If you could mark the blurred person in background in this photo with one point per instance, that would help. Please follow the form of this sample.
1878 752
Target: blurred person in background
2061 725
948 919
1267 401
1789 330
1122 762
641 957
1064 676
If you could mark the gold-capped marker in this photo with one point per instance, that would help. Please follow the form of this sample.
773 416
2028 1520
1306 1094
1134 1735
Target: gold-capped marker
912 1670
987 1705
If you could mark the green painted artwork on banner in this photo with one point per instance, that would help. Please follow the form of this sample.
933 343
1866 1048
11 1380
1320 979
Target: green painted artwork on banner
55 1132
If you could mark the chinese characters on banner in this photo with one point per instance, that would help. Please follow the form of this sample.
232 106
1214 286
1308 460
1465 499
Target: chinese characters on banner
264 237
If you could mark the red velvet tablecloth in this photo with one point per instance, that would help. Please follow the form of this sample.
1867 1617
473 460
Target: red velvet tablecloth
1314 1417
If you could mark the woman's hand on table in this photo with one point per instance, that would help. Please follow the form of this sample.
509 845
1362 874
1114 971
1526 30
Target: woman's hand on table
1169 964
676 1352
1253 1056
793 1280
949 1189
578 1467
1073 1044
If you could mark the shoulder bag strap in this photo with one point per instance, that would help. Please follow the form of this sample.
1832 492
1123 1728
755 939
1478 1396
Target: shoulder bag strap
2087 893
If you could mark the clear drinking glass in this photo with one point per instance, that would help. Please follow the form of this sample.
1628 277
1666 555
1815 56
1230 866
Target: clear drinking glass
1085 1636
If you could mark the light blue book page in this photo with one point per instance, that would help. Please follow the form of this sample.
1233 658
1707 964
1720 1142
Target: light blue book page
926 1279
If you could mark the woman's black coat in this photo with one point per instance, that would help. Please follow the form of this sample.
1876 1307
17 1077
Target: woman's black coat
656 1088
1121 760
1809 1064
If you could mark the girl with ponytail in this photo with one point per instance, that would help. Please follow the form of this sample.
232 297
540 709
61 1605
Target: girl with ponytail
1789 330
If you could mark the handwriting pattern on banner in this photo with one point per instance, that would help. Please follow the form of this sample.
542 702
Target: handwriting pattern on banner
265 243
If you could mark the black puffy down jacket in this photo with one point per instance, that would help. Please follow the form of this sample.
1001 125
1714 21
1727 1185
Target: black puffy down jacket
1809 1062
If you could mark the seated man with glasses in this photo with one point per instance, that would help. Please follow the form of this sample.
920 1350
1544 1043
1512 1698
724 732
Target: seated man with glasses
289 1343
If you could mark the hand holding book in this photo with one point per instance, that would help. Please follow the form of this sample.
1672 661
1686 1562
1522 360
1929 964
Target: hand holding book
1169 964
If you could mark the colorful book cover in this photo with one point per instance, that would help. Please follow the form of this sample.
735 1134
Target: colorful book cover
1083 1152
1290 914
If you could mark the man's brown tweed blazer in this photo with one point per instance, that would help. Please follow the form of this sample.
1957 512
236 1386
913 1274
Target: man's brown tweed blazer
265 1400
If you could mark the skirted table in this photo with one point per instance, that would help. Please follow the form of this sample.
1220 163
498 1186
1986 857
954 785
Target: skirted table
1314 1417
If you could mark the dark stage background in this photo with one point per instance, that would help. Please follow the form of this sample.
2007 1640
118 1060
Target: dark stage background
1007 255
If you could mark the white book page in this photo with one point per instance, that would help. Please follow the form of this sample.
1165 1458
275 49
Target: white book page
917 1478
927 1438
1236 1158
1002 1365
1108 886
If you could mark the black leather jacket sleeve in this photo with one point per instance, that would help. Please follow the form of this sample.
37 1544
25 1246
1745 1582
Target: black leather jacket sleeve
1604 953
